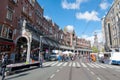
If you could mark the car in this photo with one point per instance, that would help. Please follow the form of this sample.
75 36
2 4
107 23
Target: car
53 57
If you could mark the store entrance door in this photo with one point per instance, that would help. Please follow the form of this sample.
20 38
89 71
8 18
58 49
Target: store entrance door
21 50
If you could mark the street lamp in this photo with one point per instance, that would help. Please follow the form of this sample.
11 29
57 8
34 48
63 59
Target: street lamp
40 46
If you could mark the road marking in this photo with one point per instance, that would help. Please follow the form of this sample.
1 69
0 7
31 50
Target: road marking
65 64
73 64
90 65
60 64
95 65
107 65
78 65
70 64
92 73
98 78
88 69
52 75
54 64
48 64
58 70
100 65
83 65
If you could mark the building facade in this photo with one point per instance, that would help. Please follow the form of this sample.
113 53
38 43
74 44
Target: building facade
111 27
25 30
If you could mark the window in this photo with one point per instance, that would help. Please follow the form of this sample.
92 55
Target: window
24 9
9 14
4 32
51 30
10 33
0 29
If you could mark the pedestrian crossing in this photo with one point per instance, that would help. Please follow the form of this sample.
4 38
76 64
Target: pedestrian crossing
80 64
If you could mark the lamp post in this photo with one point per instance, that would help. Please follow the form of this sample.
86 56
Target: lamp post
40 46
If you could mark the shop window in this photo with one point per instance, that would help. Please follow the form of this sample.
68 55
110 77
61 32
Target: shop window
10 33
0 29
9 14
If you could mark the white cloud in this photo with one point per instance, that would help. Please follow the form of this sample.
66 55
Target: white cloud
47 17
68 5
69 28
91 38
89 16
104 5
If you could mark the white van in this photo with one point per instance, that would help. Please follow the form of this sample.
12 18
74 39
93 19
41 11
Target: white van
115 58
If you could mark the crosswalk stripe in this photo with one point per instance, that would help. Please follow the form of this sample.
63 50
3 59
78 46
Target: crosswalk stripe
83 65
48 64
73 64
65 63
54 63
70 64
95 65
60 64
90 65
107 65
78 65
100 66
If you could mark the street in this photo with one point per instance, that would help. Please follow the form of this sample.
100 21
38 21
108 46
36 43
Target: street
79 69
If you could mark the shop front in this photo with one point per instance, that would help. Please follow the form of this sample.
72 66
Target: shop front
6 46
21 50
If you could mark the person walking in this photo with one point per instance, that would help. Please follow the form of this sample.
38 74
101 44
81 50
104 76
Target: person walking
4 64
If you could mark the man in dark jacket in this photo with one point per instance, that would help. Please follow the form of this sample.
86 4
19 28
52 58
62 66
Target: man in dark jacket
4 64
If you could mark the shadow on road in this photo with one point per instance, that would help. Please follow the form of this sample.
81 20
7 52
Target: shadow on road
19 75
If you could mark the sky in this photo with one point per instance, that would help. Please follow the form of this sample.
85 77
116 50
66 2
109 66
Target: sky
83 15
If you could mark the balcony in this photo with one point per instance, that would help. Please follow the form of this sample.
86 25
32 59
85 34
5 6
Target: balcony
14 1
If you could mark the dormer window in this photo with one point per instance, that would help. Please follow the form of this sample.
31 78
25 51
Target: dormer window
14 1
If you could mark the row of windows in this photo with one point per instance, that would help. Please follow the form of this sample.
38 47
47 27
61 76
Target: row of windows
6 32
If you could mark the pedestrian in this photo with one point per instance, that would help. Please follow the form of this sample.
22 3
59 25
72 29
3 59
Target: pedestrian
4 64
12 57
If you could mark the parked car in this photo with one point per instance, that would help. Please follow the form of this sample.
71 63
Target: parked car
53 57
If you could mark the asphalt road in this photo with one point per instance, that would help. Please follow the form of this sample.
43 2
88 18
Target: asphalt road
72 70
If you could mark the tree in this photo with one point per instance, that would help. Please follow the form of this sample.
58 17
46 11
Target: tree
95 49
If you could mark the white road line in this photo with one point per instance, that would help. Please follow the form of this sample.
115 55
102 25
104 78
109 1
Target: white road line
70 64
58 70
54 64
73 64
60 64
90 65
95 65
109 66
48 64
92 73
98 78
65 63
52 75
78 65
100 65
83 65
88 69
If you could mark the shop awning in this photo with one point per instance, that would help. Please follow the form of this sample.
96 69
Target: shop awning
49 42
6 43
55 44
44 41
35 37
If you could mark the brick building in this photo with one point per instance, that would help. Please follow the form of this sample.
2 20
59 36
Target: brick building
23 28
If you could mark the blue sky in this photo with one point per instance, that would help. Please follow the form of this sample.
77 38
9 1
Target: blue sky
84 15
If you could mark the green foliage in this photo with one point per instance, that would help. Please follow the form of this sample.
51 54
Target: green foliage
94 49
103 50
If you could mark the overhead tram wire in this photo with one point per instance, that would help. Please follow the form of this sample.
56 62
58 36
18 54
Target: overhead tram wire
86 27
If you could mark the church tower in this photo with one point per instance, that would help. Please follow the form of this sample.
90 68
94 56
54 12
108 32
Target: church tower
95 40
